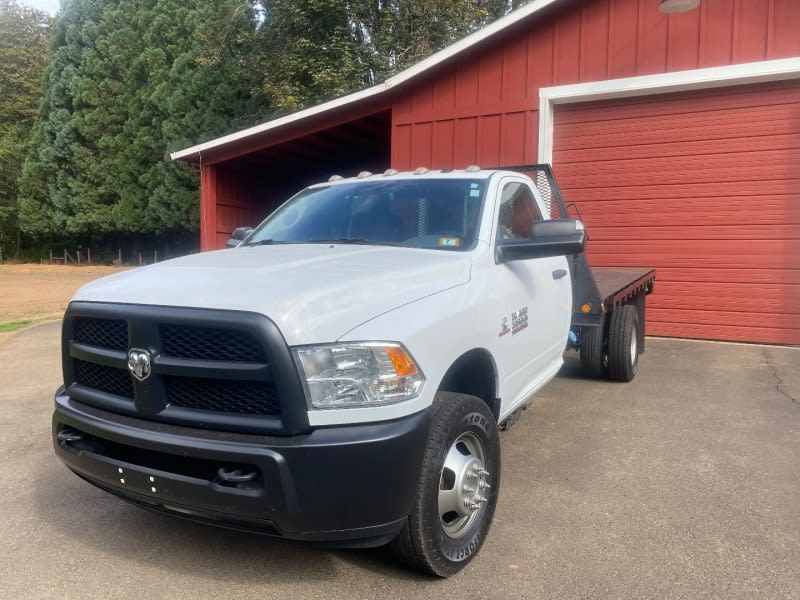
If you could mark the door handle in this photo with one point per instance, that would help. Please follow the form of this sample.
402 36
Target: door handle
559 273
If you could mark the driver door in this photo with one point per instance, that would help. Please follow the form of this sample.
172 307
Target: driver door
534 329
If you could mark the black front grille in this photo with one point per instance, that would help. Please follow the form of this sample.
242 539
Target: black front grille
220 395
210 369
103 333
104 379
208 343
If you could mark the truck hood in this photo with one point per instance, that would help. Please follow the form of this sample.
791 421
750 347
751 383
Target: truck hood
315 293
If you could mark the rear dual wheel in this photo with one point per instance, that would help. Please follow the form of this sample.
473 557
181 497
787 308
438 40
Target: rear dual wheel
457 490
623 343
594 359
616 357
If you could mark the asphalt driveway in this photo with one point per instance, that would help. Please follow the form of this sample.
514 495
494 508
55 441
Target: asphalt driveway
684 483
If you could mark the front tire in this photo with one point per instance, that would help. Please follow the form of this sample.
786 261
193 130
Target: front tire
457 490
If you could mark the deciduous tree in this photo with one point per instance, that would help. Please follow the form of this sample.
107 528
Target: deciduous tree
314 50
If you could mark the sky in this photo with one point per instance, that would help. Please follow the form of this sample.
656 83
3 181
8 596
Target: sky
49 6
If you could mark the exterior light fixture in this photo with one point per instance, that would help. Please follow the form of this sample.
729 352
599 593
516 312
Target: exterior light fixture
678 6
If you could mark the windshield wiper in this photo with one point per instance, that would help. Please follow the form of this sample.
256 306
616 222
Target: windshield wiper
355 241
266 242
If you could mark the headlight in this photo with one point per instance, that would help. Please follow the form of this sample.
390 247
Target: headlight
359 374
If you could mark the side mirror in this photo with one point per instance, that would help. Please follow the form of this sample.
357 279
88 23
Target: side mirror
237 236
554 237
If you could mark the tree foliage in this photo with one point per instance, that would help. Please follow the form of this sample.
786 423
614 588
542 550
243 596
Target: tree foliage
23 55
316 49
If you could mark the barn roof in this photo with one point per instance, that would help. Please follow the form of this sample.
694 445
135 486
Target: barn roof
264 130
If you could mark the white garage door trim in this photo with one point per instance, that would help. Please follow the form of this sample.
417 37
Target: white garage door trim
679 81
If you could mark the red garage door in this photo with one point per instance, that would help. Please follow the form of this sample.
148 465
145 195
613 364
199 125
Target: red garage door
704 186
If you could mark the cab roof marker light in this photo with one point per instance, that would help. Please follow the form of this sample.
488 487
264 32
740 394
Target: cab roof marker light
335 178
472 169
422 171
390 172
364 175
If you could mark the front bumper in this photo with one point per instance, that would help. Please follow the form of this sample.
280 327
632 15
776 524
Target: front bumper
348 485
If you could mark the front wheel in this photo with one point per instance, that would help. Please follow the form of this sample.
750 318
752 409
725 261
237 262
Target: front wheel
457 490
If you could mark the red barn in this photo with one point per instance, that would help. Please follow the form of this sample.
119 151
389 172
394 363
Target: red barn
676 135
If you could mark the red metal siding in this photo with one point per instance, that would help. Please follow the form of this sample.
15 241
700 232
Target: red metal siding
208 208
593 40
704 186
567 48
466 144
750 32
716 33
594 34
623 38
237 204
783 26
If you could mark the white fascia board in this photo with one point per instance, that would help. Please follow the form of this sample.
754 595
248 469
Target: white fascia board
663 83
276 123
400 78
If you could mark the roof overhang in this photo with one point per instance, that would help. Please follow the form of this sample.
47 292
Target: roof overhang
374 94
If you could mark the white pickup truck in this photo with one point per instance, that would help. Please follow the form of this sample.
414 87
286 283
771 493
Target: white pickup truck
341 375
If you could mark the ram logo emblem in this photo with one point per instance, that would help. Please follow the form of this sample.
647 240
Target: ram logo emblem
139 363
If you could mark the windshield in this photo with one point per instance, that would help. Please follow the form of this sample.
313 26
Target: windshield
431 213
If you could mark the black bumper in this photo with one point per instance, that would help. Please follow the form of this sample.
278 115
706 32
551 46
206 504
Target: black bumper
349 485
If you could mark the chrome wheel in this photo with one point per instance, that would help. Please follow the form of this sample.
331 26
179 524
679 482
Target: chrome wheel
463 485
457 490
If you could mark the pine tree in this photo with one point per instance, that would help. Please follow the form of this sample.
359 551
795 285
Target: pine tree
129 83
23 56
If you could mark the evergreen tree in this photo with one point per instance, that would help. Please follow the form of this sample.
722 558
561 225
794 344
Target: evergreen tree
128 83
23 56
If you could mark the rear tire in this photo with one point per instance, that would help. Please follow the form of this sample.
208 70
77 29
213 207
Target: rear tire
594 360
457 490
623 343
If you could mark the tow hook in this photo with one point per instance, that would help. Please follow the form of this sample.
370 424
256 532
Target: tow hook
67 435
236 475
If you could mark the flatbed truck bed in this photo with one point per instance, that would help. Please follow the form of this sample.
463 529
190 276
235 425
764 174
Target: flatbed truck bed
617 286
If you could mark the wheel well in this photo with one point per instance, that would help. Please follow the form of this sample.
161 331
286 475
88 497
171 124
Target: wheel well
474 374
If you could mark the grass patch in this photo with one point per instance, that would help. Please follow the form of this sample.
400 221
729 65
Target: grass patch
14 325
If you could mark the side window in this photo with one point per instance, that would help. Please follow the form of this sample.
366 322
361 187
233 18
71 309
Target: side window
518 211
